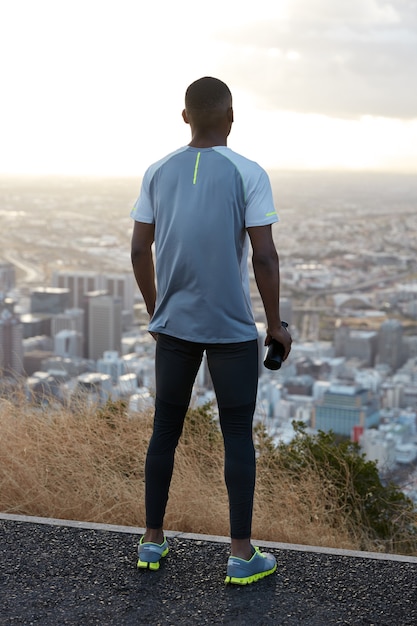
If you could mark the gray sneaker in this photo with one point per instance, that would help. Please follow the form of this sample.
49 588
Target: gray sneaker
151 553
241 572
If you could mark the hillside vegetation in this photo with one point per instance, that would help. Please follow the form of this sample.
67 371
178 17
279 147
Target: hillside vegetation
87 463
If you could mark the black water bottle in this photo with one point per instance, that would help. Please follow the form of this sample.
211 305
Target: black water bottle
274 353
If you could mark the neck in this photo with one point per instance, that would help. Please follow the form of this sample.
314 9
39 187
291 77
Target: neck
207 140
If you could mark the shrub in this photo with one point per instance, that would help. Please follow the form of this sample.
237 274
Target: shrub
378 513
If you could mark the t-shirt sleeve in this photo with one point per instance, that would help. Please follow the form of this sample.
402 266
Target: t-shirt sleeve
142 209
260 208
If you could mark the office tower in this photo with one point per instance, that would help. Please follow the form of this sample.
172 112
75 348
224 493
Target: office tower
78 283
112 365
127 386
7 277
68 343
391 394
410 395
50 300
97 388
356 344
87 297
121 285
341 337
7 303
11 343
36 324
410 347
390 344
41 387
36 350
104 325
71 319
343 407
66 367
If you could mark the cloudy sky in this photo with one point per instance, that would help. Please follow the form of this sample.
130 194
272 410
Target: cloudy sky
97 86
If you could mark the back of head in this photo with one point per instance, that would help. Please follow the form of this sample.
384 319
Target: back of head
207 95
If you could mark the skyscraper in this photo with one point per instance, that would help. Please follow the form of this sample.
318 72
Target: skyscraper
356 344
49 300
68 343
104 325
78 283
121 285
390 344
11 343
342 407
112 364
7 277
71 319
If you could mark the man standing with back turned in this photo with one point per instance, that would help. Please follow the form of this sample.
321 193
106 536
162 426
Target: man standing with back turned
201 205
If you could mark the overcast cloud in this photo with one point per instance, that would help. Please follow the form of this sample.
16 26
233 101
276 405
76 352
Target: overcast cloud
343 58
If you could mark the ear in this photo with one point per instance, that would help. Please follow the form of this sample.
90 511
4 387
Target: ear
230 115
185 117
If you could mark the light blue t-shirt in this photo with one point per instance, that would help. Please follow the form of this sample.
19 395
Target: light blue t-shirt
201 201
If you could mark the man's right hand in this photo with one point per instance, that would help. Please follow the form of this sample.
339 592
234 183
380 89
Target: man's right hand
282 336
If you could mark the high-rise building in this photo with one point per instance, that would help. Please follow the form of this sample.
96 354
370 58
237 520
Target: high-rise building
7 277
104 325
391 394
96 388
390 344
11 343
121 285
78 283
112 365
343 407
71 319
356 344
68 343
49 300
87 297
35 324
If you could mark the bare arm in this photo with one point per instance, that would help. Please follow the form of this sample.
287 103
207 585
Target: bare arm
265 263
142 262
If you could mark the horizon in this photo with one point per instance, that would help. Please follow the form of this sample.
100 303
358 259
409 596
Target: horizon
277 171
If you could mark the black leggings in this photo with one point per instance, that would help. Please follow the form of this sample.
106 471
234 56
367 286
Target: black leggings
234 372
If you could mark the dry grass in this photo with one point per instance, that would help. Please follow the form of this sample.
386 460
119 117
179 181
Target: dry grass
87 464
71 465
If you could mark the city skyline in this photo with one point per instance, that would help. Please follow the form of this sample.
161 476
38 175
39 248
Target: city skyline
98 88
347 245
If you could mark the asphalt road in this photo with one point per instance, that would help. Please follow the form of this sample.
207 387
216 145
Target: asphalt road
53 574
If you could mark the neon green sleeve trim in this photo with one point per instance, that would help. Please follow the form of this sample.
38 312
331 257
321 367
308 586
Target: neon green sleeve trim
197 161
271 213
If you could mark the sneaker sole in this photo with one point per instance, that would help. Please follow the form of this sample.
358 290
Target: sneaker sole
153 566
249 579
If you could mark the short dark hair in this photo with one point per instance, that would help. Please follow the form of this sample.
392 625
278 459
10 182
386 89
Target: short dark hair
207 94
